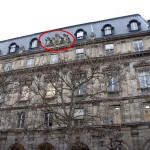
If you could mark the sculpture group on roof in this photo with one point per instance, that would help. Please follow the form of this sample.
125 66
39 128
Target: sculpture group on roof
57 40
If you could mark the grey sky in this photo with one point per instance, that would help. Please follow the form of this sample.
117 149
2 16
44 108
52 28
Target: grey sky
23 17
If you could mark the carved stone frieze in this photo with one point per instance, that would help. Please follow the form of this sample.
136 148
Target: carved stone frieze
57 40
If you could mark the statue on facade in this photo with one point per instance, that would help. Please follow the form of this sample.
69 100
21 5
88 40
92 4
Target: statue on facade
92 36
57 40
48 41
66 39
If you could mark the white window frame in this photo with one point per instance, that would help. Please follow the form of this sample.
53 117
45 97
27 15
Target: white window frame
49 116
134 26
20 120
112 83
12 48
34 44
144 79
80 53
109 49
79 113
112 114
53 59
80 35
107 30
138 45
30 62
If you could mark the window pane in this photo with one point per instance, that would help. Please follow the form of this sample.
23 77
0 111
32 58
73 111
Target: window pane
80 35
80 51
79 114
134 26
34 44
146 111
30 62
53 59
138 45
142 79
13 48
107 30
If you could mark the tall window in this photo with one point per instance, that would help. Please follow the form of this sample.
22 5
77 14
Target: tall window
114 116
112 83
134 26
7 66
144 79
30 62
24 93
20 120
51 91
79 116
109 49
53 59
79 53
80 35
146 111
34 44
48 118
13 48
1 97
80 88
138 45
107 30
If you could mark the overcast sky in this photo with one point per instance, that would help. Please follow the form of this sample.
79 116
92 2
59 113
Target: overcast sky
23 17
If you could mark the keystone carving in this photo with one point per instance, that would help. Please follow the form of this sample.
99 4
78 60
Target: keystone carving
57 40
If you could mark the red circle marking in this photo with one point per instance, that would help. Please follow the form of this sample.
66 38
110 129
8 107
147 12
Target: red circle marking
59 49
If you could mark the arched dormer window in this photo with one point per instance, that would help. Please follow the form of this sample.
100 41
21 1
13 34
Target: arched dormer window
107 29
13 48
134 25
33 43
80 34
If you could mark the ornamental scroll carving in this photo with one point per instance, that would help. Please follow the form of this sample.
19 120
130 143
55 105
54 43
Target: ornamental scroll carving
57 40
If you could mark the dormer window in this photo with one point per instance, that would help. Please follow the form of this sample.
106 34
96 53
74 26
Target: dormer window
13 48
107 29
80 34
134 25
33 43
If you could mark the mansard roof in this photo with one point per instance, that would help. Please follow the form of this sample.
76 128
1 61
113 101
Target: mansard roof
119 24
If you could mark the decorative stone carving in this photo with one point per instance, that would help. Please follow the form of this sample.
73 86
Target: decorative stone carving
57 40
21 49
48 42
92 36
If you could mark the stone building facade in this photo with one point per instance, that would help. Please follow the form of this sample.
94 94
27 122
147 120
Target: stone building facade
125 104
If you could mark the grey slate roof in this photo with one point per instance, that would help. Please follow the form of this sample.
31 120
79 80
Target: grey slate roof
120 25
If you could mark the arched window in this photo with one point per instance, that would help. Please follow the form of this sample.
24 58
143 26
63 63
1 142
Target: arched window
80 34
33 43
107 29
134 25
13 48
